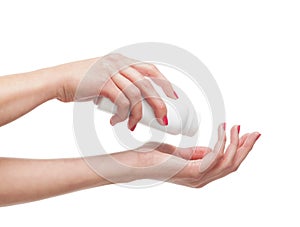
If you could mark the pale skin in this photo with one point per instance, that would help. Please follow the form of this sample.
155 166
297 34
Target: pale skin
25 180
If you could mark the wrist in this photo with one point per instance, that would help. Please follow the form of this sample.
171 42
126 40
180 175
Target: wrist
50 82
67 78
121 167
60 81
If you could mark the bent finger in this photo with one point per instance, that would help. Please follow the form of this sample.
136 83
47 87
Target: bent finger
111 91
232 147
244 150
133 94
152 71
149 93
211 159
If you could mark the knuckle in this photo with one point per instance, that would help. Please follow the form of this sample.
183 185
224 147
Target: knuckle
228 168
235 168
146 84
124 103
152 67
200 185
135 93
114 56
220 156
122 116
160 105
193 185
229 165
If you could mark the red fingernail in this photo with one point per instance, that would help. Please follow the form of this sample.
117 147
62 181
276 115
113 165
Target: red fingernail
224 125
165 120
132 129
258 136
238 128
176 95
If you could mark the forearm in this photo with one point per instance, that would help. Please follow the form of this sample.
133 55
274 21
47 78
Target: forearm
25 180
20 93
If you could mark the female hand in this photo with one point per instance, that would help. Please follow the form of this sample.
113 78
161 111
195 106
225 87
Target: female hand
122 80
199 165
193 167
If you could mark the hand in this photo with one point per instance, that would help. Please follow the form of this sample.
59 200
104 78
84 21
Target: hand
197 166
120 79
193 167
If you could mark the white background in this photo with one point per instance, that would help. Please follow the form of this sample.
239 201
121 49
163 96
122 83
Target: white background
251 47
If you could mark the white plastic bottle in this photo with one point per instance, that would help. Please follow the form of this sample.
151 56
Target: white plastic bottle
182 117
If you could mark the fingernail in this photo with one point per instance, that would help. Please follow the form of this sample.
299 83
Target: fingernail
224 125
238 128
165 120
132 129
176 95
258 136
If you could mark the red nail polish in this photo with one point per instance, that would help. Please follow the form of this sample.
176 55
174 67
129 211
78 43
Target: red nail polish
132 129
176 95
224 125
165 120
238 128
258 136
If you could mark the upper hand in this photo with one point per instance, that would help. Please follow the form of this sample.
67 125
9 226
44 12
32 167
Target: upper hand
120 79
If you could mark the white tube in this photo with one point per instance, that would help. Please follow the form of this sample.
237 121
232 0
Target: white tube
182 117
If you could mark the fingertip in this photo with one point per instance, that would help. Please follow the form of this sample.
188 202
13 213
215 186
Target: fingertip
235 130
114 120
165 120
133 128
258 135
221 131
175 94
170 93
132 123
111 121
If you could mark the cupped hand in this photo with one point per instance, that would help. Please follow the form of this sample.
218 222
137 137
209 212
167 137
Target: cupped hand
197 166
122 80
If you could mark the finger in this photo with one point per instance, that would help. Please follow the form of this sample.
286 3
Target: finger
151 71
111 91
133 94
225 164
243 139
149 93
231 150
241 154
220 145
211 159
244 150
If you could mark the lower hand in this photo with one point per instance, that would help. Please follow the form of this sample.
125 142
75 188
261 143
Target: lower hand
197 166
